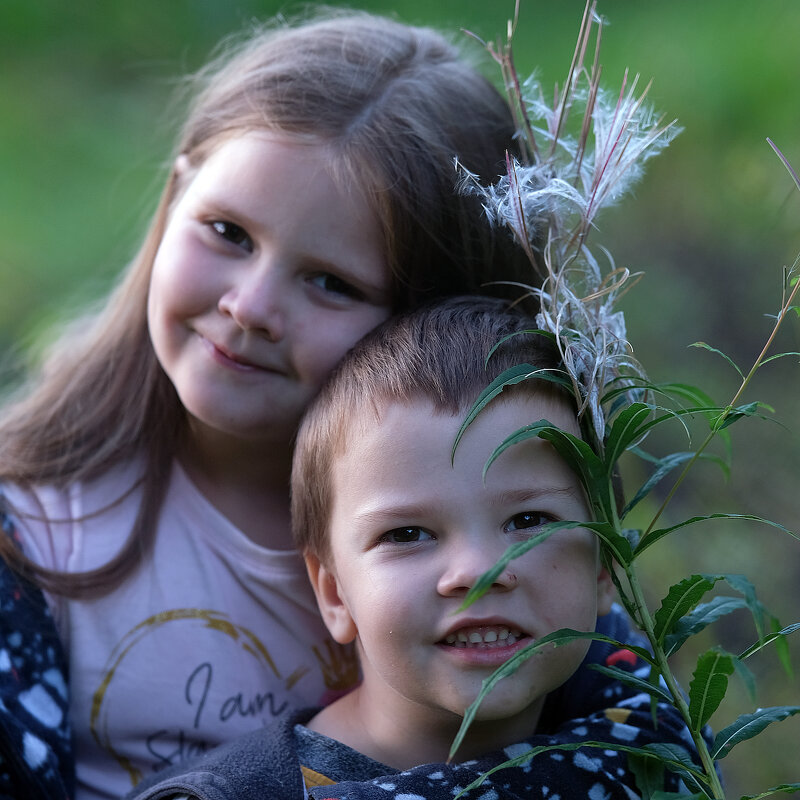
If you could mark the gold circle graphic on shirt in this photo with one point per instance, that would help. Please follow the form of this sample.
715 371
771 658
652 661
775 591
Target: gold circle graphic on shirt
216 621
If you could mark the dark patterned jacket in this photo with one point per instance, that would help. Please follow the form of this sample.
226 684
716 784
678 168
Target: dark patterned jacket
36 759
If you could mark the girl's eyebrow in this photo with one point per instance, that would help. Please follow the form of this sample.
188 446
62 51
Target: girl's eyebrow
216 206
356 276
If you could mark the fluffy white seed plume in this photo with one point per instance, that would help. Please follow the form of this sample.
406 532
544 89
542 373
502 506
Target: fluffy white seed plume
580 154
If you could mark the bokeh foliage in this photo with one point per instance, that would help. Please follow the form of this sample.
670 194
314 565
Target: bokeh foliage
88 97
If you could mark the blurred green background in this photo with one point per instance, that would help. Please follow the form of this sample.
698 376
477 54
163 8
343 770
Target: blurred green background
87 116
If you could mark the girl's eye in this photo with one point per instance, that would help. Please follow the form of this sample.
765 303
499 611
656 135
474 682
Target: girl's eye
406 536
233 233
527 520
335 285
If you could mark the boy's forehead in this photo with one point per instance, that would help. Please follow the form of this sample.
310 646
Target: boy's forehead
533 404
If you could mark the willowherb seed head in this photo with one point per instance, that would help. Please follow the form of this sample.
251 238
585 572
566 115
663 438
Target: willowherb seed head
584 152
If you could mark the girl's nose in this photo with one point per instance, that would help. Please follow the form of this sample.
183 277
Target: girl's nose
468 565
256 300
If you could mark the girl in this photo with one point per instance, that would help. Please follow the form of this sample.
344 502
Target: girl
146 468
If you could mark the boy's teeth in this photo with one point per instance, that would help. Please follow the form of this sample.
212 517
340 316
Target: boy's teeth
497 636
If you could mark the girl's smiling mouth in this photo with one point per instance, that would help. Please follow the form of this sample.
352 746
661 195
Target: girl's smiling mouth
233 360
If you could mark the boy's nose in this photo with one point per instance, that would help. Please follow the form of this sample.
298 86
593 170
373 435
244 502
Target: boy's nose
468 565
256 302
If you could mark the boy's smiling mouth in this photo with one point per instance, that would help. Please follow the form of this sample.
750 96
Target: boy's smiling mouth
484 637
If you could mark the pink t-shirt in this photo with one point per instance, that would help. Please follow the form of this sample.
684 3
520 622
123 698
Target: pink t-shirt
211 638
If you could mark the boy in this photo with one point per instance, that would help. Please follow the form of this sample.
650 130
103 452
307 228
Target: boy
394 536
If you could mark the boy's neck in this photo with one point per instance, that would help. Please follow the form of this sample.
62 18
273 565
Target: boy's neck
405 740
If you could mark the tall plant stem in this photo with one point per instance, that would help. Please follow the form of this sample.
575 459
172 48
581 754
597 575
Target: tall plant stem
646 621
728 409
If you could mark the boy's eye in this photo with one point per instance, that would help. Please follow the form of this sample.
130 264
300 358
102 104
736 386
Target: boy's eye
406 535
526 520
233 233
335 285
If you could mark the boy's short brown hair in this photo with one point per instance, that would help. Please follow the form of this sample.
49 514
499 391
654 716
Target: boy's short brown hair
438 354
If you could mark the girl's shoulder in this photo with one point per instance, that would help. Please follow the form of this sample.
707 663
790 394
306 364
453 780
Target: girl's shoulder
49 521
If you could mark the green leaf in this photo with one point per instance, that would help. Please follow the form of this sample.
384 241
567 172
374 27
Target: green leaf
745 587
622 591
654 679
619 388
693 394
659 533
577 453
769 639
628 679
590 469
664 466
708 686
681 598
747 677
648 774
614 542
733 414
678 610
624 431
698 619
776 357
747 726
782 646
677 760
784 788
719 353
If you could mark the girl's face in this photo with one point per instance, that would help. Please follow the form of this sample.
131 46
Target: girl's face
268 272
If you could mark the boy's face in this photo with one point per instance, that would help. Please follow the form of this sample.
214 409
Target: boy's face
410 535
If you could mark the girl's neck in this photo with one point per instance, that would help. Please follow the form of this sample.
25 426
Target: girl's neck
247 482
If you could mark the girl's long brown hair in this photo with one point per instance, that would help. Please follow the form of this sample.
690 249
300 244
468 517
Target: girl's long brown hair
395 104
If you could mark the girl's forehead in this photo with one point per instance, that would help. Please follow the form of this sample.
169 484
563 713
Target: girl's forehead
211 146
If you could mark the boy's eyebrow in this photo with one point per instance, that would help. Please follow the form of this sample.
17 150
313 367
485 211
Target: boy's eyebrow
411 511
386 514
514 496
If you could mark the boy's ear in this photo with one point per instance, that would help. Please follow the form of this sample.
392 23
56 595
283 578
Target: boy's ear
334 611
606 591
